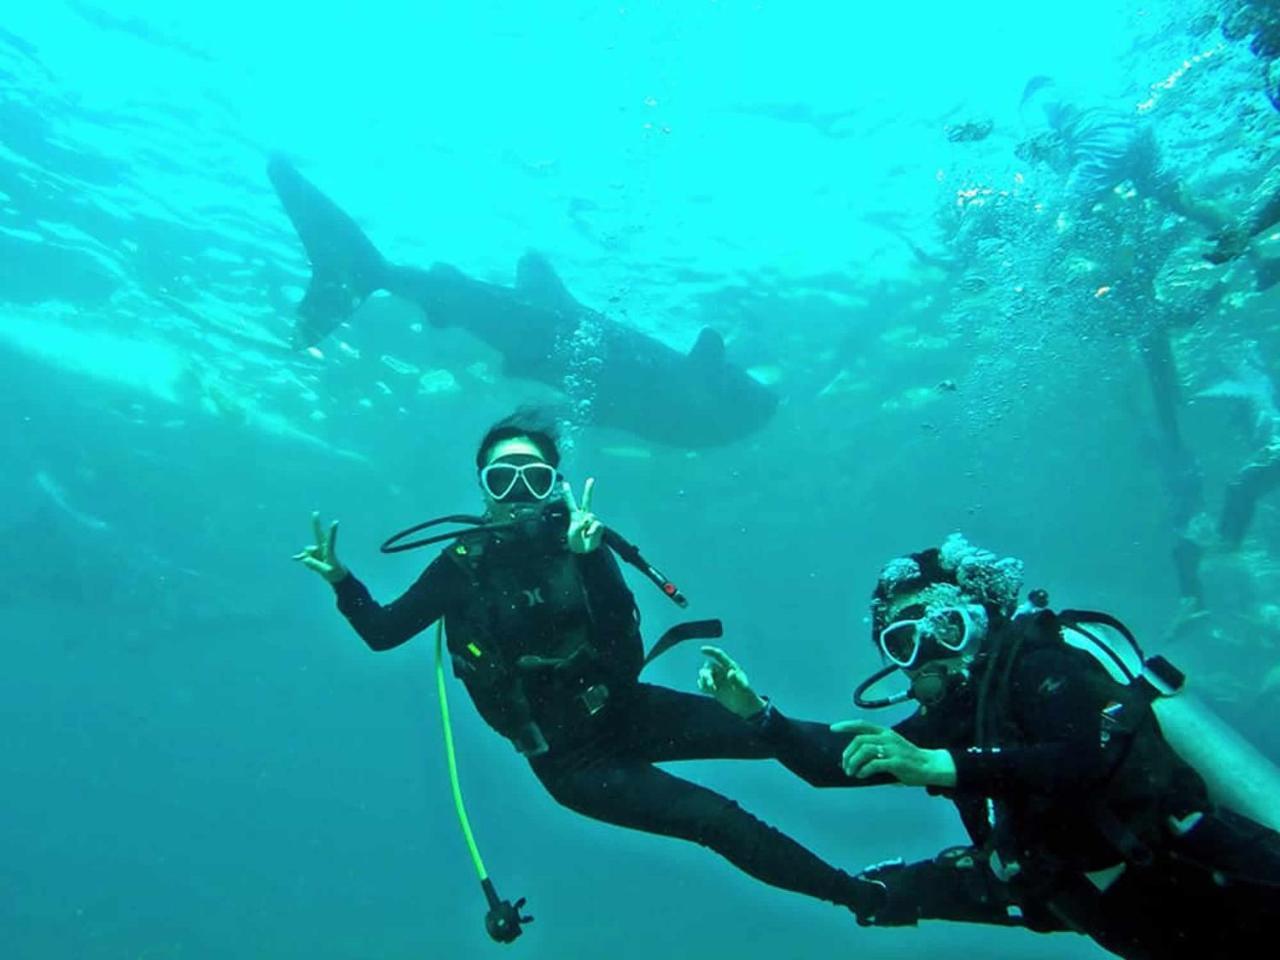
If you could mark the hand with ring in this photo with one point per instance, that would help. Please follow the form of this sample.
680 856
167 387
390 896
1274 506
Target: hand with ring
878 750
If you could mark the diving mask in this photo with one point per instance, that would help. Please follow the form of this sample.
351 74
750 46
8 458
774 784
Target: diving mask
922 633
536 480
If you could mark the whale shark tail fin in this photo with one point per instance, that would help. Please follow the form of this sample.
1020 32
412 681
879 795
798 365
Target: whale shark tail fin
345 265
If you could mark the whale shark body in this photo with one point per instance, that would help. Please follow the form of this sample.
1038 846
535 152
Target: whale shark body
639 384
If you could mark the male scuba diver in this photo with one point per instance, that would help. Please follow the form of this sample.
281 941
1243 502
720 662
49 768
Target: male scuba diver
1081 814
544 634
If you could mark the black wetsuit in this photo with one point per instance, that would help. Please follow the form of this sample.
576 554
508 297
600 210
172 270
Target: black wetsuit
1076 779
529 596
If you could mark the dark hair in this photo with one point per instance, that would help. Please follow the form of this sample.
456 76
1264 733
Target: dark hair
931 571
527 422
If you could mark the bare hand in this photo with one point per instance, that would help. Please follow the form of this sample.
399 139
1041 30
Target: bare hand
723 679
322 556
876 750
585 531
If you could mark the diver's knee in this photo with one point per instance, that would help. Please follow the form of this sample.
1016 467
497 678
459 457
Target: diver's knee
720 823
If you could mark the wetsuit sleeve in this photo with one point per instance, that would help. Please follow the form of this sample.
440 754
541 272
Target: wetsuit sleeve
812 751
384 627
615 618
1076 723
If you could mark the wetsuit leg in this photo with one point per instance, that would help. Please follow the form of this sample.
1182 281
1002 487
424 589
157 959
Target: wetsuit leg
1251 484
635 794
1182 474
662 724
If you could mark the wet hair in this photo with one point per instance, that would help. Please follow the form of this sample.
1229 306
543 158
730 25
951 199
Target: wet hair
902 577
976 573
906 575
528 423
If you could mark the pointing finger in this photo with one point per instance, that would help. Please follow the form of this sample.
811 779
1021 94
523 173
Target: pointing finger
317 528
857 727
587 492
332 542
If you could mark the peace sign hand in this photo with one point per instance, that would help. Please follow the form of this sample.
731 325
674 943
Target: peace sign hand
585 531
322 556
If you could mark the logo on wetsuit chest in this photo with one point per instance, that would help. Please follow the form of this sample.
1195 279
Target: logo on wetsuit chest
1111 719
1050 686
533 598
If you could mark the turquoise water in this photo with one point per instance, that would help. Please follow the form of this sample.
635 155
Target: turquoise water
203 761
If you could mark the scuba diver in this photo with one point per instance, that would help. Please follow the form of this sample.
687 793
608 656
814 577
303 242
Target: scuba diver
544 634
1101 147
1098 148
1081 815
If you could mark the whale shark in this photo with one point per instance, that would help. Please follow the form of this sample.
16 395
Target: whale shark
639 384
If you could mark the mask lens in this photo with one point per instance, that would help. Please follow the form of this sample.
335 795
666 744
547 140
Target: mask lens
540 478
900 642
498 479
952 630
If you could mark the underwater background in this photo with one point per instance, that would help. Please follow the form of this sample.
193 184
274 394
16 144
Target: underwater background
201 759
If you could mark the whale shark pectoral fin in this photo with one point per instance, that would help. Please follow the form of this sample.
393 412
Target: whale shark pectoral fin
345 265
708 351
539 284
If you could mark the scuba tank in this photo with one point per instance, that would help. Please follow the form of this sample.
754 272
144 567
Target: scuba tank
1236 773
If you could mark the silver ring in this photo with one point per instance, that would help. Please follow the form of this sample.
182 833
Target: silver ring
880 752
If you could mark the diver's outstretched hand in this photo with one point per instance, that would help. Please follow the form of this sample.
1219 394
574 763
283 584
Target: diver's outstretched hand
722 678
585 531
876 749
322 556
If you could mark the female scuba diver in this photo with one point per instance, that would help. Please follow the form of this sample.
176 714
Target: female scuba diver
1081 814
544 634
